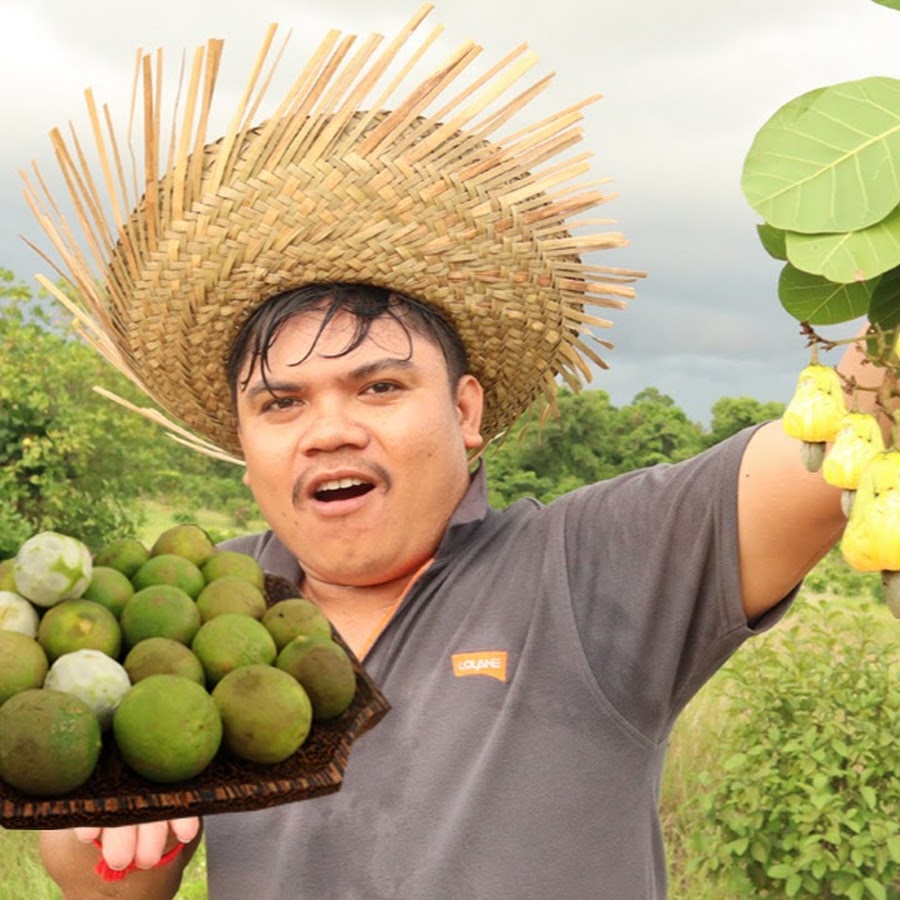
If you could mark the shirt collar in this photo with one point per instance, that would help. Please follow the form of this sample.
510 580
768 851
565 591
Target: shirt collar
468 515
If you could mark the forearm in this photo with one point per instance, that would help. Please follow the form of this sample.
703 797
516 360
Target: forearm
71 864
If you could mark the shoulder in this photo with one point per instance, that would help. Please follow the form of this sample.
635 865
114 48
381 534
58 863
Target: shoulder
712 473
271 554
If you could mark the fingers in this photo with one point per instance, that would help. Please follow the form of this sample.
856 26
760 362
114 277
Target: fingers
185 829
143 845
118 845
86 835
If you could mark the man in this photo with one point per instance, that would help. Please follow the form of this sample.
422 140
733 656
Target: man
536 657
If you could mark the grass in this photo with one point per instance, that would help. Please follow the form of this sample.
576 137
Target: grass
160 516
24 878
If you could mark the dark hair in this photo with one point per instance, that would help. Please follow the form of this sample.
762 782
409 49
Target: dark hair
364 302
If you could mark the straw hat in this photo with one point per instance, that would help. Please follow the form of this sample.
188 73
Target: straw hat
340 183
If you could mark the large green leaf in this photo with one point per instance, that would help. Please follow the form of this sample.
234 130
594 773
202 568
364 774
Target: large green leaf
828 161
814 299
773 241
884 307
890 4
855 256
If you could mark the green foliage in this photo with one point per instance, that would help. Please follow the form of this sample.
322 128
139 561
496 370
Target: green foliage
732 414
824 173
589 441
71 460
805 801
839 176
814 299
834 577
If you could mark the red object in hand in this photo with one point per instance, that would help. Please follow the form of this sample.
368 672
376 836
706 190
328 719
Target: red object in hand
108 874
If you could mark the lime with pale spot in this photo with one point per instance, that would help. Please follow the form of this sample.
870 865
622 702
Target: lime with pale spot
79 625
230 594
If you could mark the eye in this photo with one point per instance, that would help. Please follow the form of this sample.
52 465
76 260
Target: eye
382 387
276 404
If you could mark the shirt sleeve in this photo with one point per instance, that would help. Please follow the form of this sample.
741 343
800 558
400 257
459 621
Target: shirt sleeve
655 581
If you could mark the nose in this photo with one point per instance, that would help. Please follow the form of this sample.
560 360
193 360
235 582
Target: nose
331 426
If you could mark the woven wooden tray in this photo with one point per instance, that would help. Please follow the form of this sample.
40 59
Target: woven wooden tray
114 795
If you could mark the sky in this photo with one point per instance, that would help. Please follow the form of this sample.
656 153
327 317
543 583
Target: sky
685 88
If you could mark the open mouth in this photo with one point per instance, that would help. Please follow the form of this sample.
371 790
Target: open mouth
342 489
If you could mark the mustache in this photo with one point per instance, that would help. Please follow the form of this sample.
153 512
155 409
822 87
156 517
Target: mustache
370 471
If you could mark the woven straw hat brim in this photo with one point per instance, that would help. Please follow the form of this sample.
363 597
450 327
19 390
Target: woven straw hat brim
394 198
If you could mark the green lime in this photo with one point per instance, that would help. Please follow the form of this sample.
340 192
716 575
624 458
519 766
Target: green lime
125 554
293 617
167 568
167 728
7 581
230 594
161 610
162 656
187 540
230 641
110 588
230 562
23 664
325 670
266 715
79 625
49 742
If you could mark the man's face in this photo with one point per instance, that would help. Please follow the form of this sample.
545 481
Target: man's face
357 461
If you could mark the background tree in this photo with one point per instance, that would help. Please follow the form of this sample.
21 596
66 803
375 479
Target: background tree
731 414
71 460
589 441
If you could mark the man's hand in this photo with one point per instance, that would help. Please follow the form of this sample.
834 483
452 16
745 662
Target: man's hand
73 861
144 845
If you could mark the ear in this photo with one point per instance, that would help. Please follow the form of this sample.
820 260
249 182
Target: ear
245 478
469 408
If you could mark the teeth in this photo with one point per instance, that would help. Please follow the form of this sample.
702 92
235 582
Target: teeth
339 483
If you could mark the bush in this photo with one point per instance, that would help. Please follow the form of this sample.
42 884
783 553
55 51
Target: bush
805 803
835 577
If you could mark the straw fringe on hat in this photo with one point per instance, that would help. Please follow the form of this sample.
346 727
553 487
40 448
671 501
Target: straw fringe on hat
340 183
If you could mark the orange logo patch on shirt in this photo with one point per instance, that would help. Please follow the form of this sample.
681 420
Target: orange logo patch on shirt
485 662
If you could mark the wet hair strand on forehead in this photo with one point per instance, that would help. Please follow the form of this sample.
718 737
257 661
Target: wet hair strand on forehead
364 303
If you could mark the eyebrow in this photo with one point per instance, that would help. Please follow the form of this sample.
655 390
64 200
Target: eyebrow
360 373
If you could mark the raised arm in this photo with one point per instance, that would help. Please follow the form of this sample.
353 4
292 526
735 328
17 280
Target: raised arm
788 517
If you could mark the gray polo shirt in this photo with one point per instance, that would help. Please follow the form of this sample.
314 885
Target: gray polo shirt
534 672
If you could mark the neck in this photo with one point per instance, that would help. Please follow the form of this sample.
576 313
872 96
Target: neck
359 614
